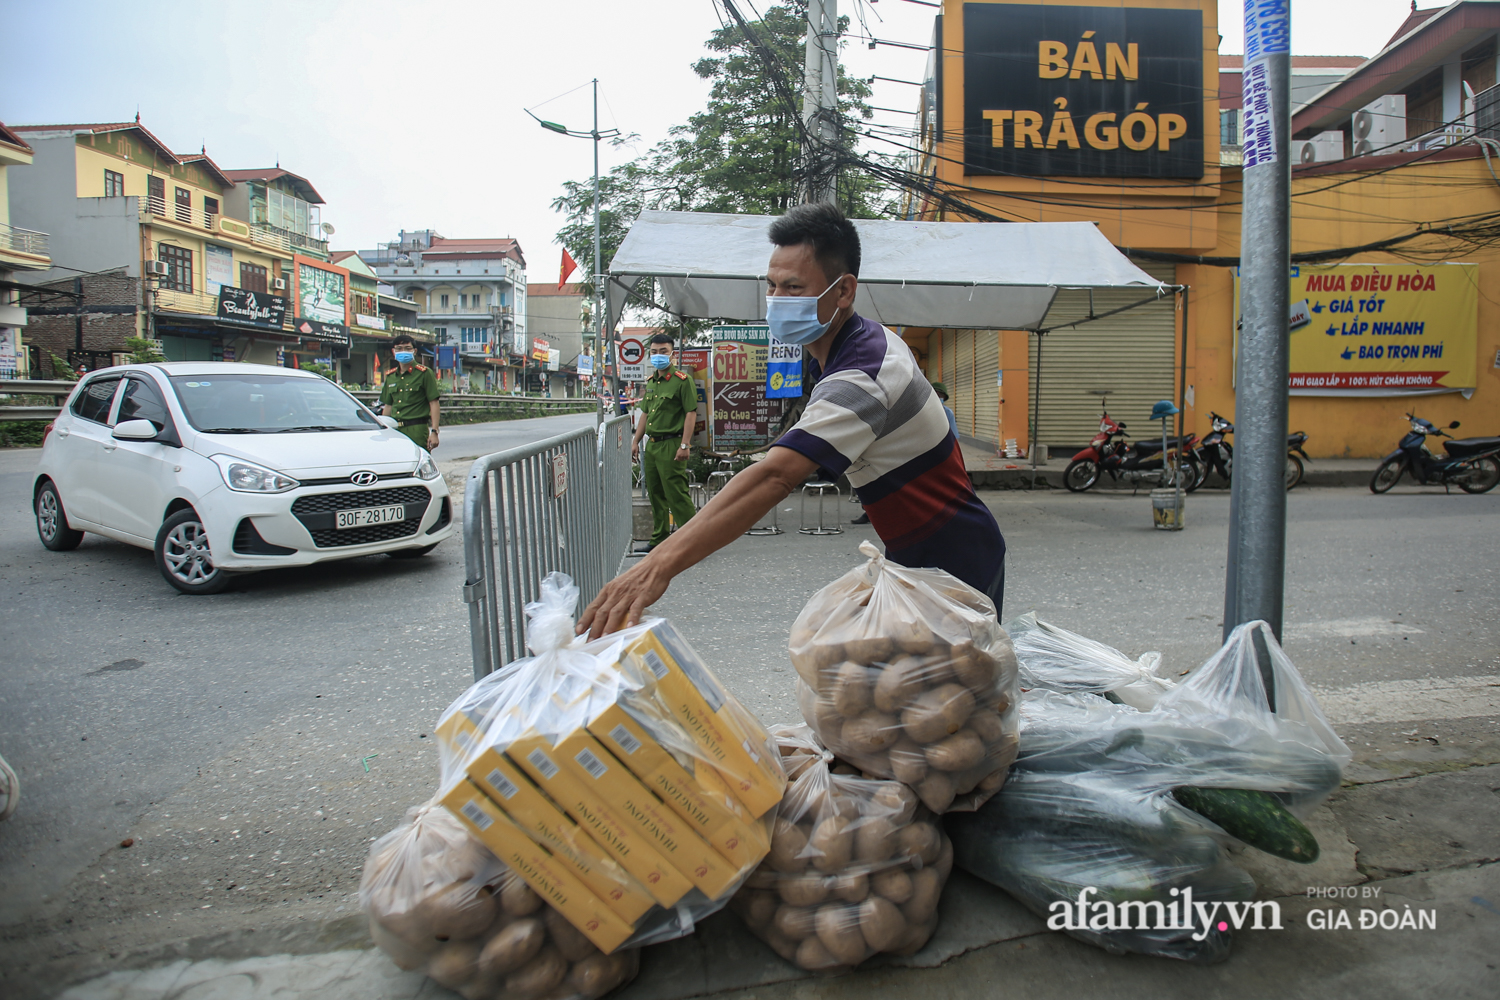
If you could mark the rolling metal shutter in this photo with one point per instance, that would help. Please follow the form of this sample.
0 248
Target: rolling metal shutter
1132 355
965 361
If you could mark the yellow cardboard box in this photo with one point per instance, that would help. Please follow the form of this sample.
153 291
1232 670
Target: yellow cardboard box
541 870
530 809
617 835
703 800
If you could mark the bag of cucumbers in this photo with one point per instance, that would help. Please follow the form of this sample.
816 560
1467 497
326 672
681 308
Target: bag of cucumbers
906 674
856 865
1109 805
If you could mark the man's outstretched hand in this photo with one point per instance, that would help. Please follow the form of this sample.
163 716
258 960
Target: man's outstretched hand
624 599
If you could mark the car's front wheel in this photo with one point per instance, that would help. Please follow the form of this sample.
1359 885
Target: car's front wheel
52 521
183 556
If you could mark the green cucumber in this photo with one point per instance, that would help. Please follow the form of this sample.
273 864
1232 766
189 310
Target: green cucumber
1254 817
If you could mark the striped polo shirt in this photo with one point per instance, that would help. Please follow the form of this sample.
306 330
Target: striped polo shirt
874 417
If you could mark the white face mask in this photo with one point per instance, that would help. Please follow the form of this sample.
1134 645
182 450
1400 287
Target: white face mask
794 318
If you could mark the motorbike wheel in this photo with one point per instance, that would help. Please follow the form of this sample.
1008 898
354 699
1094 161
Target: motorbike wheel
1387 475
1293 471
1486 474
1080 474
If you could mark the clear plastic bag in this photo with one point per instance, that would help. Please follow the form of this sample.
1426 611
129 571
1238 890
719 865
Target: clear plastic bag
1058 660
856 865
906 674
439 902
1092 803
617 777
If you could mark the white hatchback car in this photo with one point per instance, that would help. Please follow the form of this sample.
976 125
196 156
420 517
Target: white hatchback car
224 468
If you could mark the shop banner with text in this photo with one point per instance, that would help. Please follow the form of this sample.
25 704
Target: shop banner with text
742 415
783 370
1382 329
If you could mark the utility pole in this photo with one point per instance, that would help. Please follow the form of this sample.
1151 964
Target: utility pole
600 320
820 101
1257 509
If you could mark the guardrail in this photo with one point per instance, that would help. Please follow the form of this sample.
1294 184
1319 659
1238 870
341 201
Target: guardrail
55 388
560 504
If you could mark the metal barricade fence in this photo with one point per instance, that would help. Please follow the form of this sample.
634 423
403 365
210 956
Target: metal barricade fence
560 504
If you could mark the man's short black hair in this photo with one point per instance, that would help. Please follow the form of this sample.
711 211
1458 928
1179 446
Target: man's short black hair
402 338
662 338
835 241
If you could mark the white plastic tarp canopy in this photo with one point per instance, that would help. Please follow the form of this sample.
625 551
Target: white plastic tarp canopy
960 275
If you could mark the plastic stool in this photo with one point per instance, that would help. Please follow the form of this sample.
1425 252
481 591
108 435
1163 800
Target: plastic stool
718 478
819 490
768 529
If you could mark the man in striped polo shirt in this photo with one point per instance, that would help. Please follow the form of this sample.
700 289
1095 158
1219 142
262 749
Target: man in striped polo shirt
872 416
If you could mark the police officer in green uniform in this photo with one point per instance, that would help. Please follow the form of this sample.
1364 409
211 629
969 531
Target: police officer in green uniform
410 394
670 404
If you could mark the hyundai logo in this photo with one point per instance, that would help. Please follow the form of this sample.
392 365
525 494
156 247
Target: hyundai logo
364 479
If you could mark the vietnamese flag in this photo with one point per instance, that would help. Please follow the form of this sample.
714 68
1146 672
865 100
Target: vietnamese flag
569 265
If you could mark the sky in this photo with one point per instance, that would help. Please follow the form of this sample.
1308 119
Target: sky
411 115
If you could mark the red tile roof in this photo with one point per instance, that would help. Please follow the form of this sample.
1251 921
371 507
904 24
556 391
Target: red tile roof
473 249
1413 21
308 192
10 138
212 167
153 141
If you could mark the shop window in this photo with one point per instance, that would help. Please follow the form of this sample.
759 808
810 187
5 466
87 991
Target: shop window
114 184
253 277
179 261
1229 127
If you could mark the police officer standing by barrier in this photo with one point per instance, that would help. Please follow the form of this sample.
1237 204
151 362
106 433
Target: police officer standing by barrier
670 403
410 394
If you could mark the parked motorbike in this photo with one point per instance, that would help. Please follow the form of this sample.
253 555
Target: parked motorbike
1217 455
1471 464
1110 452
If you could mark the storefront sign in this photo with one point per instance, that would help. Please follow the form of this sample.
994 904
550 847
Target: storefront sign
554 359
245 306
539 350
783 370
1083 91
369 322
320 293
326 333
218 267
585 365
742 415
1384 329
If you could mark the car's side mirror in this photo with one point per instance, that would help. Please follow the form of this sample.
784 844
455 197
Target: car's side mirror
388 422
135 430
1453 426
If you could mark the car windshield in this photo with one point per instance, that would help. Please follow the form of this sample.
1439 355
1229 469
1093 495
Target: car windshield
268 404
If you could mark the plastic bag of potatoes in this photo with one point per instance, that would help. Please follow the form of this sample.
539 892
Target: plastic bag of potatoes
906 674
439 902
856 865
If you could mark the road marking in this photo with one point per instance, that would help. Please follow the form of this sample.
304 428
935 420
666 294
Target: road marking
1421 698
1351 628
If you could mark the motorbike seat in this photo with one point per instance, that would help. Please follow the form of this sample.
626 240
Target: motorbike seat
1471 446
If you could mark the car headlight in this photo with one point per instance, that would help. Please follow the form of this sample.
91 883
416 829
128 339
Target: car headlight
427 468
247 477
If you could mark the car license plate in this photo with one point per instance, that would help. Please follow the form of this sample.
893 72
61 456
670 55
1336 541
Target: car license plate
370 515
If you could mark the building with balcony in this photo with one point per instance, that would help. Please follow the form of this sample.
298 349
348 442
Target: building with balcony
21 250
556 314
469 293
212 267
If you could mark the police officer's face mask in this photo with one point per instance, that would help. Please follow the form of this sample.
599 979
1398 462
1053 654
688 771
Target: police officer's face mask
660 361
404 357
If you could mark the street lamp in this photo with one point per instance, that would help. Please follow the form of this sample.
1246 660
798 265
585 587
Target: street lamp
599 342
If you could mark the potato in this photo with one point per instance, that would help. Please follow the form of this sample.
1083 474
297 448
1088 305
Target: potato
838 929
958 752
757 907
407 954
833 843
570 941
513 947
894 800
851 689
813 956
937 713
975 668
457 913
912 637
827 654
920 840
944 863
517 899
893 883
794 921
993 781
843 767
898 684
936 791
869 651
870 732
781 944
806 667
805 890
597 975
479 988
826 720
964 782
908 763
454 964
538 976
875 839
852 887
762 878
926 887
957 628
788 841
881 923
986 722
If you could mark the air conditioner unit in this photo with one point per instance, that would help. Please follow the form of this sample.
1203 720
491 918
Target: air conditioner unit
156 268
1322 148
279 284
1380 123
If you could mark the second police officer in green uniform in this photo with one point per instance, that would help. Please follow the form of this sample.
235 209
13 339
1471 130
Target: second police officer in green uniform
670 404
410 393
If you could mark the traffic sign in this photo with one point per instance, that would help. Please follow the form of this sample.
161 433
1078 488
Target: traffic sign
632 355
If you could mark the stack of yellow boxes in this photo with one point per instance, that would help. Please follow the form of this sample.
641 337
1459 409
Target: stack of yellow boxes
618 779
